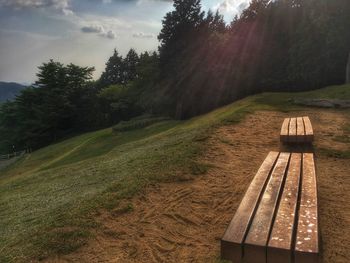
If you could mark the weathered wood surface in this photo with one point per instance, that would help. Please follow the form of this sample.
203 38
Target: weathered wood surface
285 129
281 239
231 243
309 133
292 136
300 130
297 130
307 239
278 221
257 238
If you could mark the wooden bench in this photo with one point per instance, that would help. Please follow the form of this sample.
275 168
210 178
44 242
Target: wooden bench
277 220
297 130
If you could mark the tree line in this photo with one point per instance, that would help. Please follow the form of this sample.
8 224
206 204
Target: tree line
201 63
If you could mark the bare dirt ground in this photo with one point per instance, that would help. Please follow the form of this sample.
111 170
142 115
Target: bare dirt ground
183 222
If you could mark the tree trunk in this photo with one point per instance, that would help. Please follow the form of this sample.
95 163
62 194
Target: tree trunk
348 71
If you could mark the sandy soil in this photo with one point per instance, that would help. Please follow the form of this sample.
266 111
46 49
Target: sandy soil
183 222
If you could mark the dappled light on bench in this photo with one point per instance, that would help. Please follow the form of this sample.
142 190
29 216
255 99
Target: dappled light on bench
277 227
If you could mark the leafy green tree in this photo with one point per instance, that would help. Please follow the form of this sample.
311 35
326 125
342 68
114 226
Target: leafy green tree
118 103
61 88
54 107
9 124
179 28
113 73
129 66
147 87
218 24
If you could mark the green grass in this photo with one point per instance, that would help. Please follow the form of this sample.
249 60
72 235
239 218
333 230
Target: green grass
284 101
334 153
48 200
137 123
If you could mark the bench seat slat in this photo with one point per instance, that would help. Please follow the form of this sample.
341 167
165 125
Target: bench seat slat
277 220
307 238
285 130
257 238
292 130
300 130
231 243
309 133
281 239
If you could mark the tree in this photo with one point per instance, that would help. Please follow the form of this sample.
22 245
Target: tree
55 106
129 66
113 73
119 102
218 24
61 88
179 28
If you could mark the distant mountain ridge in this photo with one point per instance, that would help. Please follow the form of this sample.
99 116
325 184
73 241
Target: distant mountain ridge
9 90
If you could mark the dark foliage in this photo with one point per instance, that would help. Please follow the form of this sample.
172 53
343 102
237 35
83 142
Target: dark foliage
273 45
56 105
283 45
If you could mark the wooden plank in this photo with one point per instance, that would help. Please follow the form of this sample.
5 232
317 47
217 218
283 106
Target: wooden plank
285 130
300 130
292 130
307 238
309 133
231 243
281 239
257 238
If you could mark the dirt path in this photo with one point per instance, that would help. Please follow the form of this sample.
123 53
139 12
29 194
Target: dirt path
183 222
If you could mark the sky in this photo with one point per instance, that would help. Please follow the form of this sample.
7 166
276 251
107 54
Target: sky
83 32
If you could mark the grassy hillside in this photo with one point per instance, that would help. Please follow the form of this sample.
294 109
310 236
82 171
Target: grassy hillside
49 198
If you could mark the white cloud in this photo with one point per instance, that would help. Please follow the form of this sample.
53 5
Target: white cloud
142 35
232 6
92 29
60 5
110 34
100 30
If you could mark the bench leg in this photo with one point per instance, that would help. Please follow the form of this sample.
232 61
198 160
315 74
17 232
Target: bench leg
254 254
306 257
231 251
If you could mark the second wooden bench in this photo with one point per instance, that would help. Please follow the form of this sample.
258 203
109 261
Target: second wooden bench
297 130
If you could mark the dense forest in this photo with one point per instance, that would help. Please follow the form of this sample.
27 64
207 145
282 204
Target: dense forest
201 63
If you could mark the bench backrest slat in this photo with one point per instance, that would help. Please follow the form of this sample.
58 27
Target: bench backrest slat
231 243
307 238
281 239
257 238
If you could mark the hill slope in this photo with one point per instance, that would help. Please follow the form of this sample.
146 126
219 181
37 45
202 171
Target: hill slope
51 197
9 90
